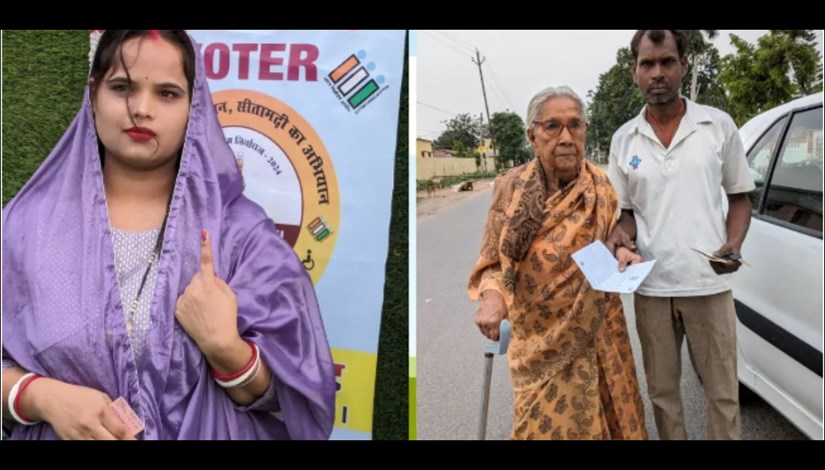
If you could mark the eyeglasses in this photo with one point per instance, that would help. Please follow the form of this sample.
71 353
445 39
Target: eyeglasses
553 127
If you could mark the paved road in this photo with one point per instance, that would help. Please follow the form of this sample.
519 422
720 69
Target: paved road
450 348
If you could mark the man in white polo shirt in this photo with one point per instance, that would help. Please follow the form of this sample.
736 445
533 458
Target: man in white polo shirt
670 166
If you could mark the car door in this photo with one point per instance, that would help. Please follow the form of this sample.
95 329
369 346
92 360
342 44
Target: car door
779 296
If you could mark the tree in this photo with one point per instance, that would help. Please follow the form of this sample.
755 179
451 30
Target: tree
615 101
783 65
461 128
462 151
709 89
696 49
511 141
753 84
798 48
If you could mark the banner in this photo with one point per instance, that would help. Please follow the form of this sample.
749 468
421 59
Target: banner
312 119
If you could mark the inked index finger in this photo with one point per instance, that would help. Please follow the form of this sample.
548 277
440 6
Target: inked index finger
207 264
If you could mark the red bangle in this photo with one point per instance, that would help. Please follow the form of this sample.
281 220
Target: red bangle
226 378
20 389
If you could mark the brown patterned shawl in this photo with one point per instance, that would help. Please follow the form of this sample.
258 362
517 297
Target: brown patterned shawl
570 357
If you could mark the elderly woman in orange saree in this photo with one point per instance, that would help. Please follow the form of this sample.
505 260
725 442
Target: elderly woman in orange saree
570 358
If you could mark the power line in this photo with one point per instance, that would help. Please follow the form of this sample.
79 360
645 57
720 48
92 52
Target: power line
495 79
446 44
437 109
461 43
471 47
460 40
499 96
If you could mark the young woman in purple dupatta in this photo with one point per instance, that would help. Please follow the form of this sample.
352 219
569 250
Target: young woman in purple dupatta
134 267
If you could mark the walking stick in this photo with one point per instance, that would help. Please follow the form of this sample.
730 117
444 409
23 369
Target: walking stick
497 348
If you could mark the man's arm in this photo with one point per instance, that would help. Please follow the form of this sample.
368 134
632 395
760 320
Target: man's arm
737 183
624 233
737 224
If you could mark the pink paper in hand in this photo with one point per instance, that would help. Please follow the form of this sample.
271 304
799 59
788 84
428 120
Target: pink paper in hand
126 414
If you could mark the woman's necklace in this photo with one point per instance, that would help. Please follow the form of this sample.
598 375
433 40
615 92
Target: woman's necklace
153 258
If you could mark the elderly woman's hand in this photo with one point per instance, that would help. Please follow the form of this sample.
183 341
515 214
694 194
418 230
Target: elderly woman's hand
491 310
626 258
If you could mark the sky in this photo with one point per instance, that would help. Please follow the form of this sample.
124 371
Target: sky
517 64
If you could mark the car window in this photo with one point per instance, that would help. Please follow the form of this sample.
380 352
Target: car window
760 158
795 189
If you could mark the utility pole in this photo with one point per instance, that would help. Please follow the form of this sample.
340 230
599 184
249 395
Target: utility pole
478 61
481 137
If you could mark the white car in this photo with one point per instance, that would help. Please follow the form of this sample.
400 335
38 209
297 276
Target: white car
779 297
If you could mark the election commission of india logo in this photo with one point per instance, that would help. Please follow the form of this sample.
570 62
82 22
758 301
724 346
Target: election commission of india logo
286 170
356 81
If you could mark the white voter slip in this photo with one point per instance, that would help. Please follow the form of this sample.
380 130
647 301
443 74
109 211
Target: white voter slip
602 270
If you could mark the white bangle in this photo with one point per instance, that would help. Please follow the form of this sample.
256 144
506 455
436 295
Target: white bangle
13 397
247 376
257 368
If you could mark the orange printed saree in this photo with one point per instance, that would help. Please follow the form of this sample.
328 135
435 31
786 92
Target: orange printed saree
570 358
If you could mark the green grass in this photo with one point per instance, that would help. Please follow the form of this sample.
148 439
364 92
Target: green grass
447 181
413 395
44 73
